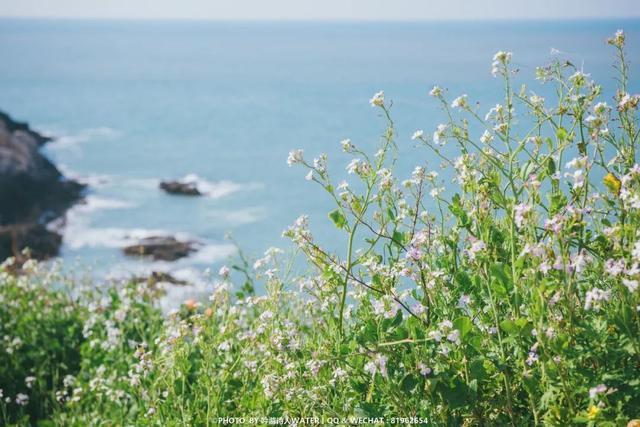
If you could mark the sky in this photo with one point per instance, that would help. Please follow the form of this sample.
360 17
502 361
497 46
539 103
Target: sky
374 10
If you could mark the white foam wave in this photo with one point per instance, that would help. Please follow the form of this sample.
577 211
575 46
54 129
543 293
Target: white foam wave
211 253
237 217
94 203
77 236
92 180
218 189
66 141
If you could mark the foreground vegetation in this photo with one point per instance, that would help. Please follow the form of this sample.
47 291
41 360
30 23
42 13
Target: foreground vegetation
507 297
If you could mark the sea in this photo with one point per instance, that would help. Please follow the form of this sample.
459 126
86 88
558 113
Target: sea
132 103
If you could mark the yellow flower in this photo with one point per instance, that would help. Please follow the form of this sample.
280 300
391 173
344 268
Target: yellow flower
634 423
612 183
593 412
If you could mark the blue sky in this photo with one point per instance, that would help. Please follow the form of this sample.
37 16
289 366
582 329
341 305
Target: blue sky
322 9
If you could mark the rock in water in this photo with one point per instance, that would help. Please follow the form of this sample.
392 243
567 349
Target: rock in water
180 187
33 192
157 277
42 243
162 248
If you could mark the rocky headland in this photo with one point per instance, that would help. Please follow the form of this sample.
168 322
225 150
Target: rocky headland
33 193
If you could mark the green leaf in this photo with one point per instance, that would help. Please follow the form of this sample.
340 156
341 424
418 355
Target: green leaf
463 280
527 170
509 326
476 369
464 325
562 134
398 238
391 214
498 272
338 218
551 166
409 382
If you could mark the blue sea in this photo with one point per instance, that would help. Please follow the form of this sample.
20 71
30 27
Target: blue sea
134 102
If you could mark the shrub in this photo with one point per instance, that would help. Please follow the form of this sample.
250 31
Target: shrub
41 332
512 300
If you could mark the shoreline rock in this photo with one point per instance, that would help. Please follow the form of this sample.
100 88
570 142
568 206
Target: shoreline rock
159 277
33 192
161 248
183 188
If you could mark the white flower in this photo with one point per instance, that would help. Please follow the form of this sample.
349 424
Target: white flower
347 146
377 100
494 112
309 176
418 308
628 102
224 346
594 297
577 163
544 267
486 137
476 247
614 267
438 134
22 399
339 373
446 324
579 78
595 391
536 101
295 156
435 335
29 381
632 285
617 39
601 108
521 211
417 135
580 261
460 102
578 178
635 252
454 337
315 365
353 166
370 367
378 364
500 58
464 301
424 370
381 361
436 91
224 271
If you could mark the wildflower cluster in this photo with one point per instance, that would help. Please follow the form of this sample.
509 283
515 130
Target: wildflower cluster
501 287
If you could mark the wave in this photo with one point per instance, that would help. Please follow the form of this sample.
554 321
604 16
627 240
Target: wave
77 236
94 203
218 189
212 253
69 141
92 180
237 217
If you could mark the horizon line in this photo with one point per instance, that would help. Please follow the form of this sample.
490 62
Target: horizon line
319 20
